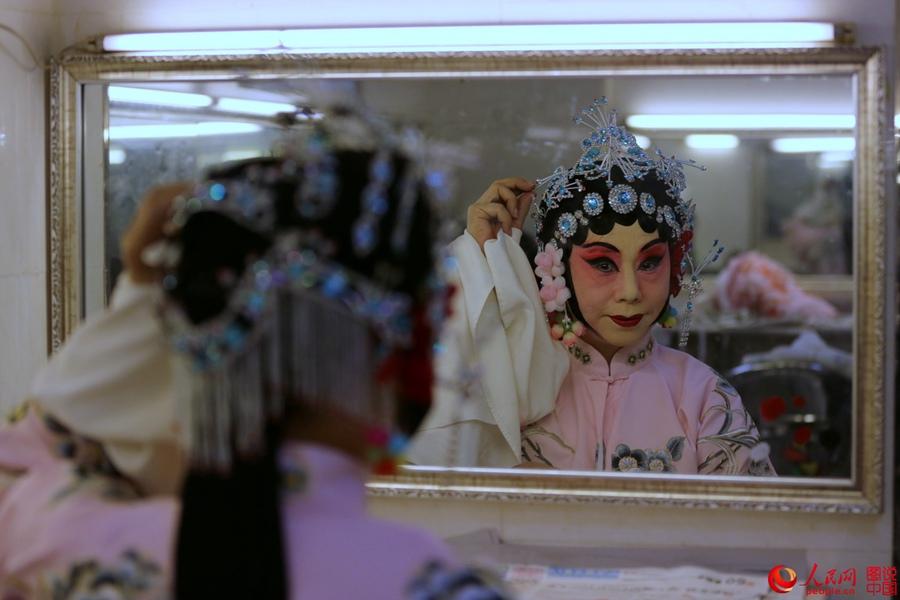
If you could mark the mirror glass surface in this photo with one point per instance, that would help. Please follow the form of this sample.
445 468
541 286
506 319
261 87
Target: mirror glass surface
777 191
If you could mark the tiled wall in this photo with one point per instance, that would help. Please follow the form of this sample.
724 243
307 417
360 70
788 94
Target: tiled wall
23 314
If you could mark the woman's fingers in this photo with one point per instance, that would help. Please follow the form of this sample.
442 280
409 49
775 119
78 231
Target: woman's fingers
505 191
497 214
523 204
503 205
148 226
508 199
517 183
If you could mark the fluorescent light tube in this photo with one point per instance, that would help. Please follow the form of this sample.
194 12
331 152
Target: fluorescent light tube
813 144
485 38
182 130
738 122
556 37
254 107
711 141
192 40
136 95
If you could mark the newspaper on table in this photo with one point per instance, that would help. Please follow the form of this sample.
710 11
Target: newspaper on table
535 582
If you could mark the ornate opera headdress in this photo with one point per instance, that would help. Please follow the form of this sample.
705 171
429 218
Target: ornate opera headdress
342 256
610 146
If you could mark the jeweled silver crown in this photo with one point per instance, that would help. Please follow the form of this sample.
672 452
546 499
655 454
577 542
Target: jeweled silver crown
608 146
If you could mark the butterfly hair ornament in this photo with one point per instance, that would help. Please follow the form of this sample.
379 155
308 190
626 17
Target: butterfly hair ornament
613 175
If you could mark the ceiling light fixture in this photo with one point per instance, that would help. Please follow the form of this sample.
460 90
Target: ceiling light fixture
596 36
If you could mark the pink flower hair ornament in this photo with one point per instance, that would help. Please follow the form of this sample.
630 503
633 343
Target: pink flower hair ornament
555 294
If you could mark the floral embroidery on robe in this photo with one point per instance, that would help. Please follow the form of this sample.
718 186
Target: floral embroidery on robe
736 433
133 577
658 461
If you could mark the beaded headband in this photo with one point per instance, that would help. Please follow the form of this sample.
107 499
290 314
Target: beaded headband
610 146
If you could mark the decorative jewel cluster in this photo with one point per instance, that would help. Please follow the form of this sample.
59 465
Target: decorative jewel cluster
609 145
317 195
295 262
375 204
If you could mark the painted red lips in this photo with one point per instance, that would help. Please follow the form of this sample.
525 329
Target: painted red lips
623 321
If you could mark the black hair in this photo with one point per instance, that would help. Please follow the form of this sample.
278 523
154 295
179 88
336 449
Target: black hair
229 542
603 223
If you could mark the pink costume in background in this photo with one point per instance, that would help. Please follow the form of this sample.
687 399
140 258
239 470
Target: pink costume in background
652 409
754 282
71 515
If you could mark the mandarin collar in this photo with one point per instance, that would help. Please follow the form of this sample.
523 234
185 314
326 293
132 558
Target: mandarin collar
625 361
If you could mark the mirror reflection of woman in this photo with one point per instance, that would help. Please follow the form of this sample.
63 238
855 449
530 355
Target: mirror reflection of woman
572 377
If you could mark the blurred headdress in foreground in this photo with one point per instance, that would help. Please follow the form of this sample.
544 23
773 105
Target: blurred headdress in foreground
295 279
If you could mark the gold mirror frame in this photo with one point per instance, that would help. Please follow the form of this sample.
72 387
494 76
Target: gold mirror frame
863 494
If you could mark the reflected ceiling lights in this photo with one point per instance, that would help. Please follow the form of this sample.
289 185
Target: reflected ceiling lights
154 97
496 38
711 142
180 130
263 108
738 122
794 145
138 95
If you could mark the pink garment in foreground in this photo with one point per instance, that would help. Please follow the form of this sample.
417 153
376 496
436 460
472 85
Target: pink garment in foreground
652 409
63 525
67 523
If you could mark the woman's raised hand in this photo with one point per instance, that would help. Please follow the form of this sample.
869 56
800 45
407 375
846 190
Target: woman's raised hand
503 205
148 227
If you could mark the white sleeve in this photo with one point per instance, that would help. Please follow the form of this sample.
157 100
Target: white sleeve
112 381
521 367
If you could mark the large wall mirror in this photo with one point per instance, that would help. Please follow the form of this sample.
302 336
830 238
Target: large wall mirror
793 142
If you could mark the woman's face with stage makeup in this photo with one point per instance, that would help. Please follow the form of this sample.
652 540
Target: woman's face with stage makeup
621 282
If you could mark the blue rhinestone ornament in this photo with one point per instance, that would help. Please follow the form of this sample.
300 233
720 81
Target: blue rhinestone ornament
593 204
229 198
609 145
671 221
217 192
375 204
566 226
317 195
623 199
648 203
